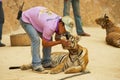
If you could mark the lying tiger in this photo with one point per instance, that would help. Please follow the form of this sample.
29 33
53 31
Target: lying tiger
112 31
73 61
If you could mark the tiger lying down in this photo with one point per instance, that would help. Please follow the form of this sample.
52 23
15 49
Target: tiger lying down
112 31
73 61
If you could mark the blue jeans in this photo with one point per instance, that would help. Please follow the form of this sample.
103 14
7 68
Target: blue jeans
35 46
1 20
76 11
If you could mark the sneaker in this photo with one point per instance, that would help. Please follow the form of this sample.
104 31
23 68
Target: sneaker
2 45
48 65
84 34
40 69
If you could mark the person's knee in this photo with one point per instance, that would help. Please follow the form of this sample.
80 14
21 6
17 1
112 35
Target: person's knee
36 40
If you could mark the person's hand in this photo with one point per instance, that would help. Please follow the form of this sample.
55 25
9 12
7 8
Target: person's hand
65 43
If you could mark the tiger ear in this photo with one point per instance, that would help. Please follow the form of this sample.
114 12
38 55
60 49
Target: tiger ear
106 17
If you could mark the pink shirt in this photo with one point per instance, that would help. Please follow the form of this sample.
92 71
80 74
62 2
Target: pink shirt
42 19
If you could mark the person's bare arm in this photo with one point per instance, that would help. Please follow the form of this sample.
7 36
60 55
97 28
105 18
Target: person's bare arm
47 43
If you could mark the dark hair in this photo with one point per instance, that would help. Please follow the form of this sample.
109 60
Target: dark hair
62 22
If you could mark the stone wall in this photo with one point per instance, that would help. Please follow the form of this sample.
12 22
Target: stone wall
89 10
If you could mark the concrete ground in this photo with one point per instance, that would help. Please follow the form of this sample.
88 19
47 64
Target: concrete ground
104 60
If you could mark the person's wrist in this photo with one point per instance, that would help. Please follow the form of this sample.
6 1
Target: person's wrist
59 42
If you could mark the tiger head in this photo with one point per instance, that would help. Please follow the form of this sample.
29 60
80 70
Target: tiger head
72 39
74 46
103 21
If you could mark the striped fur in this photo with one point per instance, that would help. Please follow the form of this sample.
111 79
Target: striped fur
70 63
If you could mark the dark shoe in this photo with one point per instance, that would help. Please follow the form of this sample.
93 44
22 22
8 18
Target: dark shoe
48 66
84 34
2 45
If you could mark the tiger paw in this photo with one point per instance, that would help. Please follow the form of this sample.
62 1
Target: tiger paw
54 71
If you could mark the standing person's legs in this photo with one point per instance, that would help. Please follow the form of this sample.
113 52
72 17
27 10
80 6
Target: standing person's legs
76 11
1 31
66 10
78 22
35 46
1 23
